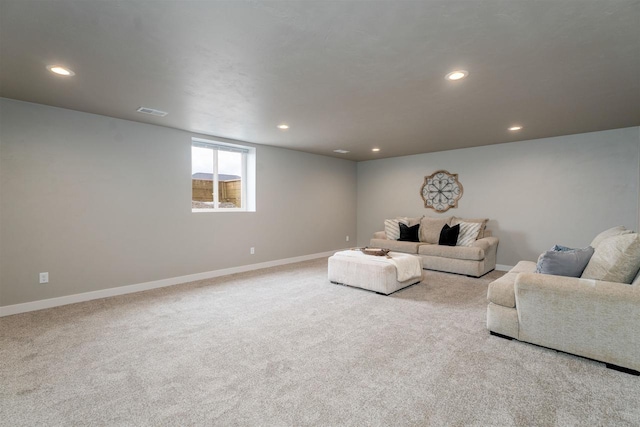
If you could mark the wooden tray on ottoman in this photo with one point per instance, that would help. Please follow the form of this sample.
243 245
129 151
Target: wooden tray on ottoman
374 251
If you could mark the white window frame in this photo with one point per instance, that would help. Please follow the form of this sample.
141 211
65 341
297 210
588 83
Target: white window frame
248 188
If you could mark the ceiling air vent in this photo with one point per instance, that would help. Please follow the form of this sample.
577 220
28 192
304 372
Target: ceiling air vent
152 111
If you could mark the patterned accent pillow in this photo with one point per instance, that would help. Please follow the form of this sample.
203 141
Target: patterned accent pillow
482 221
392 228
468 233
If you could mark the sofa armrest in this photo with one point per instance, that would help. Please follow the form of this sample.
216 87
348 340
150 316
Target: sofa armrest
590 318
485 243
379 235
576 290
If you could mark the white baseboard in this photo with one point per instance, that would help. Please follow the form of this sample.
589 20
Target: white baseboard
129 289
503 267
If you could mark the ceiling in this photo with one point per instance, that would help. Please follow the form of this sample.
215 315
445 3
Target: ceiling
344 75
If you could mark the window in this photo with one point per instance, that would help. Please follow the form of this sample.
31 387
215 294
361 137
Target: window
222 177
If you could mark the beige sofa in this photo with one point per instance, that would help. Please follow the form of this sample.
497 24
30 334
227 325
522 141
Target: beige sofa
596 319
475 260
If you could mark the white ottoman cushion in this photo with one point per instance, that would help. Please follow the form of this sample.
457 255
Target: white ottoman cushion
375 273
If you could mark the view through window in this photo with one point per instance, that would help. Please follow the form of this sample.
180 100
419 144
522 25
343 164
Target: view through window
218 176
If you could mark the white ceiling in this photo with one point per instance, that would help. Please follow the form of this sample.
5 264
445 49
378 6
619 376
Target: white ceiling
344 75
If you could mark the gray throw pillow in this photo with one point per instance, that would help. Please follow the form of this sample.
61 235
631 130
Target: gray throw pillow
562 261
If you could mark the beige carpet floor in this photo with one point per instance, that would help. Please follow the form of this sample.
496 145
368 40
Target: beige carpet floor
284 347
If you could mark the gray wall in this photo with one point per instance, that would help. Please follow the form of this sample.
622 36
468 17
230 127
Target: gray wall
101 202
537 193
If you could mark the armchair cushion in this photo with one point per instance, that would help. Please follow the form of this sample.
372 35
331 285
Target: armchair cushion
524 267
616 259
611 232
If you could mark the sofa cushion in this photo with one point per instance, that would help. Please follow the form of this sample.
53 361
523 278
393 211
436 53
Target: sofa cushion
457 252
449 235
524 267
392 228
611 232
430 228
379 235
410 221
481 221
501 291
409 234
563 261
468 233
396 245
636 281
616 259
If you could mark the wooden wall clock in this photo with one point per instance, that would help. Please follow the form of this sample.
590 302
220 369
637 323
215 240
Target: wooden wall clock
441 191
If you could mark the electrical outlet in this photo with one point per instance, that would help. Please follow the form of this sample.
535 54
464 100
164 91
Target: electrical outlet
44 277
252 251
347 238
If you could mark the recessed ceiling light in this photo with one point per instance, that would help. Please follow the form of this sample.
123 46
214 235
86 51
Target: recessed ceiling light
340 151
457 75
515 128
60 70
375 149
283 127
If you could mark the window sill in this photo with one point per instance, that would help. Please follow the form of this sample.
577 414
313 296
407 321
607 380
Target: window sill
203 210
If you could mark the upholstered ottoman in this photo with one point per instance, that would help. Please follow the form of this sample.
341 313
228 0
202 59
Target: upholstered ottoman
375 273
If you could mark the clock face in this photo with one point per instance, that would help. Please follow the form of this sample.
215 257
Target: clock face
441 191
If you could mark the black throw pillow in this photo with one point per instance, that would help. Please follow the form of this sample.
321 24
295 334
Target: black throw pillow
409 234
449 235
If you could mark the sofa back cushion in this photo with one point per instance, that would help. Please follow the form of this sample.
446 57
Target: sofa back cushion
611 232
430 228
411 221
616 259
636 281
